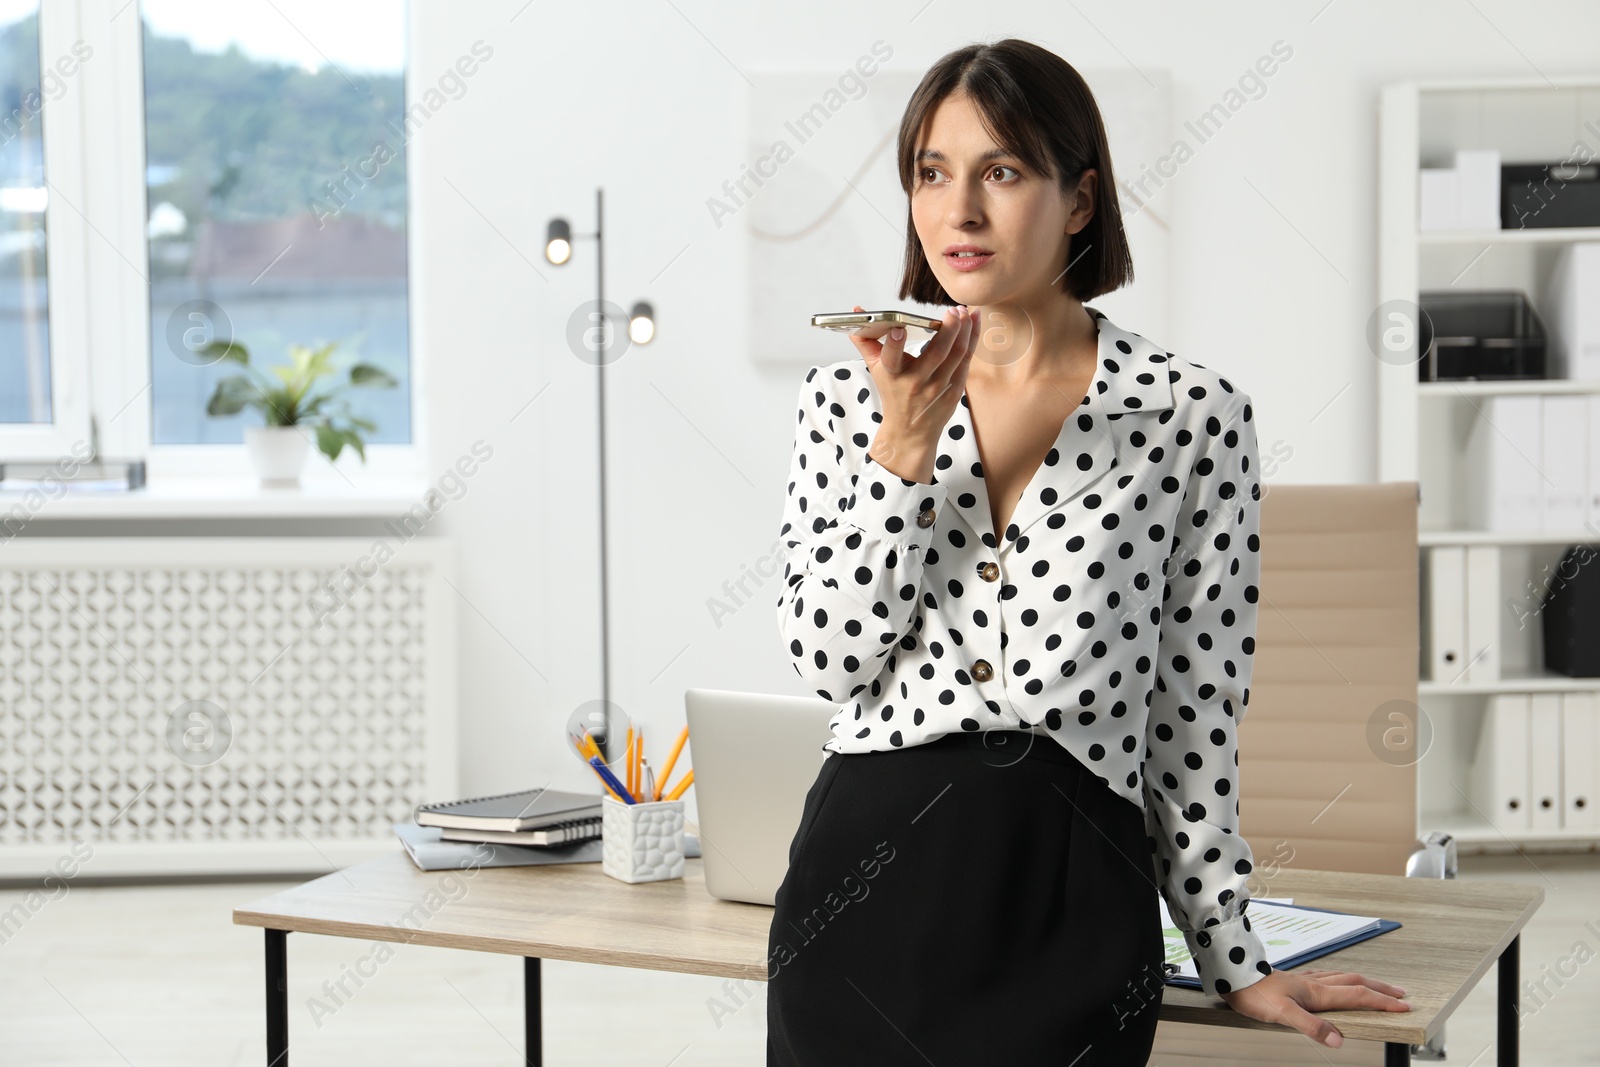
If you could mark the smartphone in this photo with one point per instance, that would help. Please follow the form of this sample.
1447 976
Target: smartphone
875 324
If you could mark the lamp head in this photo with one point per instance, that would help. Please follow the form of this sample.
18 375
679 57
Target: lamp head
641 323
558 242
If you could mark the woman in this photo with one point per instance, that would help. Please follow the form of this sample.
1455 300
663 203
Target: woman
1024 563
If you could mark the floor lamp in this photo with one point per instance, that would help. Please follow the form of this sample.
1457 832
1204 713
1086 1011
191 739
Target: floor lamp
590 337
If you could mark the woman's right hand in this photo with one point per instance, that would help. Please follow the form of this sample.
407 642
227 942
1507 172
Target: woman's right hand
919 393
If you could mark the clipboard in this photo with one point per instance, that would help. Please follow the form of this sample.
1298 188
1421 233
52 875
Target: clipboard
1383 927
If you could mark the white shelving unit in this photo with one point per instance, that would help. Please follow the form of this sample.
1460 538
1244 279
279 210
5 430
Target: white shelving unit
1423 425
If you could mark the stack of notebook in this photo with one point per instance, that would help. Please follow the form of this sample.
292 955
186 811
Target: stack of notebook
539 817
526 829
535 826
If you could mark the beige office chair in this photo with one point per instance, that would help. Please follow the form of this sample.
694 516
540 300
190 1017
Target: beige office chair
1337 641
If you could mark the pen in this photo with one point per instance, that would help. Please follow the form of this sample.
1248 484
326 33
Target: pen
649 784
584 751
611 780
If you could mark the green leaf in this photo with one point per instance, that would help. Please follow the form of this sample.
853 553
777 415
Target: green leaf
355 443
322 357
231 396
219 350
330 442
370 374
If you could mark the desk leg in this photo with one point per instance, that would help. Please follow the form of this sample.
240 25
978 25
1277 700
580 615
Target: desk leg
532 1012
1507 1034
277 998
1396 1054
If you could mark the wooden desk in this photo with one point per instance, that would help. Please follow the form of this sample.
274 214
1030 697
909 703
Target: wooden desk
1453 932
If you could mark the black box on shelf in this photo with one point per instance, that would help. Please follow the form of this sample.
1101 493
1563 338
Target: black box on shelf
1483 334
1569 614
1543 195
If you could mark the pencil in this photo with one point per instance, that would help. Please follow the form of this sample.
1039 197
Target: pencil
627 763
677 790
661 781
639 770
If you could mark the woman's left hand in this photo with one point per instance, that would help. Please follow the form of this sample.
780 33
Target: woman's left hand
1289 997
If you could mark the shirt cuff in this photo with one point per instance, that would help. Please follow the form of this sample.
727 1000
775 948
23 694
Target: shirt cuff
890 508
1228 956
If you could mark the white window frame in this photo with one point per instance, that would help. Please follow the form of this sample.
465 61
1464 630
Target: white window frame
104 264
67 434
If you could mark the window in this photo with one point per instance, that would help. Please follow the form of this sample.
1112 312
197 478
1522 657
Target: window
276 176
195 171
24 311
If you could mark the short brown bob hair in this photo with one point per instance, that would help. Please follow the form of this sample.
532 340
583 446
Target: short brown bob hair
1038 108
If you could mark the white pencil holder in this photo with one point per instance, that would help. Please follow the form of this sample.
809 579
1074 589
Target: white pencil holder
641 842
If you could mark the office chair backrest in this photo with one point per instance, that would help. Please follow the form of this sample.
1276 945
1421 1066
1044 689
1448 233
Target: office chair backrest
1327 750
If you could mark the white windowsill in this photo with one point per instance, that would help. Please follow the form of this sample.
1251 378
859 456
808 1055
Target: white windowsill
223 498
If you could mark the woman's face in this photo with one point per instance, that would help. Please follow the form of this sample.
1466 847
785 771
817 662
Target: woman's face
963 195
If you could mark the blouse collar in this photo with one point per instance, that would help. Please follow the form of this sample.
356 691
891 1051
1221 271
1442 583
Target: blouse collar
1131 376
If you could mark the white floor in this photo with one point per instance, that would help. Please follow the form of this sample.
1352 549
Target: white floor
159 975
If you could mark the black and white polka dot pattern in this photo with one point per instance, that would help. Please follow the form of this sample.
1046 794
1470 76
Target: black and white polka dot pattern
1116 613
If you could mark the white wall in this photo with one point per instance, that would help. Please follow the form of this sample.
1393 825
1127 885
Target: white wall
1273 277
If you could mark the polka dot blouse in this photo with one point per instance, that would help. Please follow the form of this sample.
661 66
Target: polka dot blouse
1116 613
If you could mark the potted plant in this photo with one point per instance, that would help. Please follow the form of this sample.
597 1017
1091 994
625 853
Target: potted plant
289 408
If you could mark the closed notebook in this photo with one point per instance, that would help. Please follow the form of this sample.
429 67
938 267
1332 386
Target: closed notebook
560 834
431 853
531 809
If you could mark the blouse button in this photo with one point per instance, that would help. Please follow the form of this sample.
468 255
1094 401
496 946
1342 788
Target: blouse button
990 571
982 671
925 519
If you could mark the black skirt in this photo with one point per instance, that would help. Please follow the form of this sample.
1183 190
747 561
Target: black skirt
975 899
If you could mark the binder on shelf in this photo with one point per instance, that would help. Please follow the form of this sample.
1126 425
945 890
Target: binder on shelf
1504 449
1482 647
1565 461
1569 614
1580 765
1500 766
1446 606
1573 299
1544 761
1593 452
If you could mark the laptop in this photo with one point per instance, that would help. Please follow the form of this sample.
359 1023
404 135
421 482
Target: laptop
756 756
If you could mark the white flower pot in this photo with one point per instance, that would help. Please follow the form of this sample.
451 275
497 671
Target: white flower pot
278 453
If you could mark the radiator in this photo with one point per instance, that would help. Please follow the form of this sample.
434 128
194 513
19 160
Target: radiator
220 704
